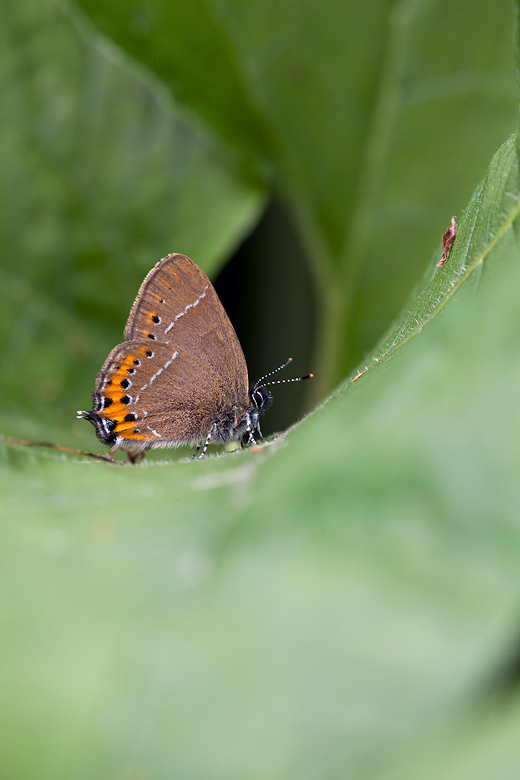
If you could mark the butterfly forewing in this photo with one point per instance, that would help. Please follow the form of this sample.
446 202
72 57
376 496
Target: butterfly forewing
178 306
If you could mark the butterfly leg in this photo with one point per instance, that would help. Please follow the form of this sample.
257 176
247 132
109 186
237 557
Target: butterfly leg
113 451
250 437
206 444
135 458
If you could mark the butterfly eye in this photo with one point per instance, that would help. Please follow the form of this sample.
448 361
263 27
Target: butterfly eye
261 398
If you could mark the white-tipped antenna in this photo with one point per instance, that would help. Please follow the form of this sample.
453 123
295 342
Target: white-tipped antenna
279 381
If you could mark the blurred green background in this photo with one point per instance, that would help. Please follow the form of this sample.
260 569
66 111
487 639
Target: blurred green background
345 603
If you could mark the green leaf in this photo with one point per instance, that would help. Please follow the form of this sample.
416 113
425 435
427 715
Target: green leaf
485 226
102 175
335 606
373 120
343 603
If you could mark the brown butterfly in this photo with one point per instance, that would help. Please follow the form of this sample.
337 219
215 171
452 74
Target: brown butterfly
180 376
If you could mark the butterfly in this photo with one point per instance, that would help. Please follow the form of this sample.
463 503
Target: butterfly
180 376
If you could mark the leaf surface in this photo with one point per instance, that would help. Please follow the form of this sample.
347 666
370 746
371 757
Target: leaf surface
336 606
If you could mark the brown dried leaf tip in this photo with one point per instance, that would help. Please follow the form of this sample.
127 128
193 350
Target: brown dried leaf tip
447 240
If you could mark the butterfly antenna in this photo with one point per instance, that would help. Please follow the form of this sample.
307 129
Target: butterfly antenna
280 381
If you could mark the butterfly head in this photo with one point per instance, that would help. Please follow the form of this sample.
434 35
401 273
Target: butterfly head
261 399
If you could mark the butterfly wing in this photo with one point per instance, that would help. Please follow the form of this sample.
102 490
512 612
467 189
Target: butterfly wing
146 397
177 305
181 372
